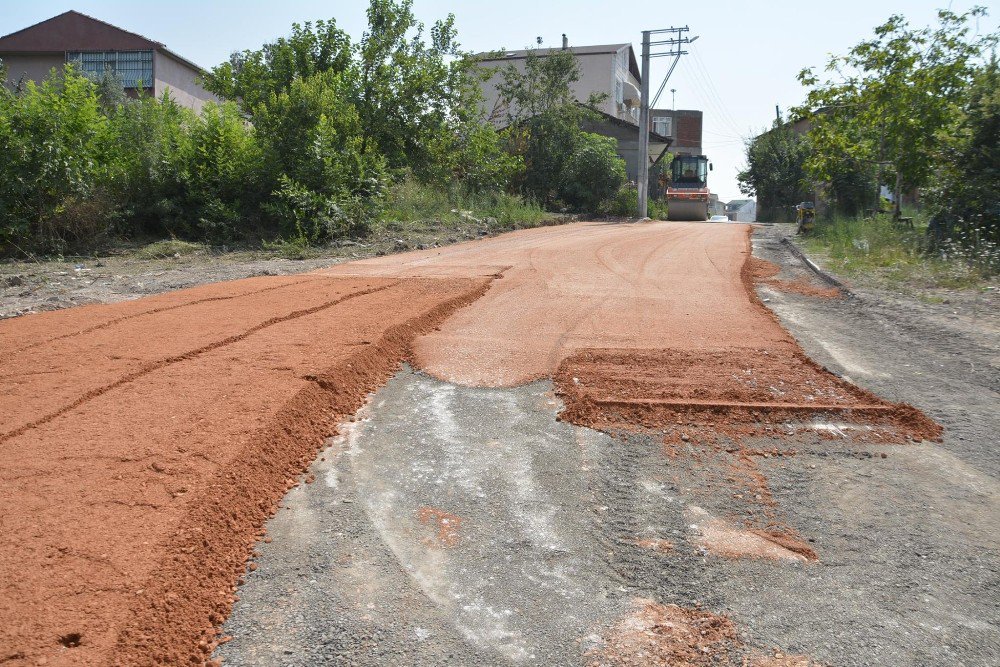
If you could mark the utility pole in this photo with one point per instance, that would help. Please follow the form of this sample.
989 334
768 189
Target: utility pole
643 157
674 43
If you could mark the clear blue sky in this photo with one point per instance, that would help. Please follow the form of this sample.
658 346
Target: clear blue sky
744 63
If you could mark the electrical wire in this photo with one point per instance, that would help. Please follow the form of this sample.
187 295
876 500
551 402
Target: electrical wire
728 117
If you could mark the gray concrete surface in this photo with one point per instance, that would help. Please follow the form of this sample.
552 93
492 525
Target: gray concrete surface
450 526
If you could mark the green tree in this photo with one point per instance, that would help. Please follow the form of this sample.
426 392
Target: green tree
406 87
889 98
544 119
593 173
967 203
775 170
57 163
251 77
413 93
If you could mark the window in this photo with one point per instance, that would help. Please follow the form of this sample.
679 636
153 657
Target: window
662 125
132 67
619 91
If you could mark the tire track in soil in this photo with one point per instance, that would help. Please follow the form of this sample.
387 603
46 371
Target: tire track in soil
148 368
10 354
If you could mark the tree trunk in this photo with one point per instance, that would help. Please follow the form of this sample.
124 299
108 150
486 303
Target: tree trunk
880 172
898 196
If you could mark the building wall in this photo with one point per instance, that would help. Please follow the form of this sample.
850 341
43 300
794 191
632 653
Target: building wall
182 82
597 75
167 72
35 66
747 212
685 129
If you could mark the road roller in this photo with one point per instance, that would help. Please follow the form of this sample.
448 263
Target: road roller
687 191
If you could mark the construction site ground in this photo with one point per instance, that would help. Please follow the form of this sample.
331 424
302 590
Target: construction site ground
593 444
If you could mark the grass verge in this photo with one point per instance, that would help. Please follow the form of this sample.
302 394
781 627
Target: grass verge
413 204
169 248
882 250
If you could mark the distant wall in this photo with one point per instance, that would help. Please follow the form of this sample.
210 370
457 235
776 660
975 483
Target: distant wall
597 75
35 66
181 80
747 212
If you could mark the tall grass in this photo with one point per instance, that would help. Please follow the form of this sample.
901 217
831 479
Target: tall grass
411 203
901 256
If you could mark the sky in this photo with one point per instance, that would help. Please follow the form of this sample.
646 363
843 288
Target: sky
743 64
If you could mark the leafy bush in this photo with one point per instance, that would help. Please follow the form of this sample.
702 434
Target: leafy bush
57 164
220 173
329 185
317 218
593 172
625 204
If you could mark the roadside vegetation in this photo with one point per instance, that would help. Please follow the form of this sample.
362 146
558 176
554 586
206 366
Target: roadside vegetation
901 257
320 138
902 154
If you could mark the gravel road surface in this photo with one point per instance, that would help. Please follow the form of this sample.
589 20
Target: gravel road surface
175 461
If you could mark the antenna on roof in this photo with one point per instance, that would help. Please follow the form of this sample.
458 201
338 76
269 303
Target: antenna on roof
538 40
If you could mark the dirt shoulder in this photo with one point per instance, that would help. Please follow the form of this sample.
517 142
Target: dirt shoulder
972 311
125 274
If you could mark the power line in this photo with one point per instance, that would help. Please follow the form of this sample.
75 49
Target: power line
707 85
700 64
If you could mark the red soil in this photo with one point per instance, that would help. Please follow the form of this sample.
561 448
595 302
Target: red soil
723 538
668 636
146 443
641 325
660 286
731 393
764 271
658 635
734 389
447 526
657 544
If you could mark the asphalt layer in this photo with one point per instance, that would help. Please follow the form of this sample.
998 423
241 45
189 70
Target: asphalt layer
466 526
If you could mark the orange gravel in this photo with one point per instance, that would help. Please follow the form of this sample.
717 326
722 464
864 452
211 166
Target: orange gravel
639 324
146 443
588 285
666 635
447 526
660 635
764 271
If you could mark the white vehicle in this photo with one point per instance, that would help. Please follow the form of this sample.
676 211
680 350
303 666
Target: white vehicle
718 218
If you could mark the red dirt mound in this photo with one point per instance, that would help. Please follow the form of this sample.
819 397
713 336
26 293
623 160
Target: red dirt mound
146 443
734 393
